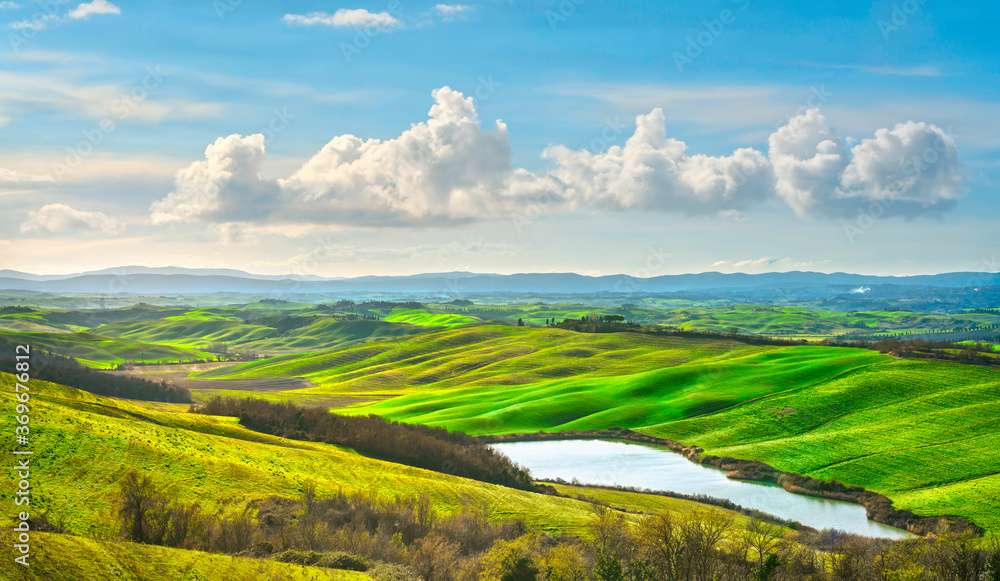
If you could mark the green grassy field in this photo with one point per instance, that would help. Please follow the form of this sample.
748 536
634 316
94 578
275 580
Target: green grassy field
77 557
292 334
428 319
484 355
185 338
103 352
629 400
921 432
84 444
784 321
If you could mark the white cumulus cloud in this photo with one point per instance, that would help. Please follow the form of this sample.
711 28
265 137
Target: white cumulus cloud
449 169
225 186
654 172
911 169
345 17
87 9
60 219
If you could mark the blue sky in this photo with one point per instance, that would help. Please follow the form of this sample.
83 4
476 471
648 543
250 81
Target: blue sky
773 136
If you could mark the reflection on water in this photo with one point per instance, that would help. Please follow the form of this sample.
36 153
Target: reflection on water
644 466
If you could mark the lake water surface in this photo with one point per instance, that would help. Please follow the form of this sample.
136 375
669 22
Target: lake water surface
644 466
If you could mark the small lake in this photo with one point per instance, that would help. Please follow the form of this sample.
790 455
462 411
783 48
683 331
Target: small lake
644 466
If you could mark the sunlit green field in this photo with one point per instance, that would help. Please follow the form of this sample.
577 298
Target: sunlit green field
102 352
485 355
78 557
923 433
428 319
629 400
84 444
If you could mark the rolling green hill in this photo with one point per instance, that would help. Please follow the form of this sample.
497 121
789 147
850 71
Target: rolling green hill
85 443
484 355
629 400
428 319
921 432
78 557
102 352
283 334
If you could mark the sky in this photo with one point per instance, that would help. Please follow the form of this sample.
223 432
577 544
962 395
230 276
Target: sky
399 137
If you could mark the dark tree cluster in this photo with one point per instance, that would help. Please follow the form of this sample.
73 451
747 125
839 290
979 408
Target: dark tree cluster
421 446
67 371
598 324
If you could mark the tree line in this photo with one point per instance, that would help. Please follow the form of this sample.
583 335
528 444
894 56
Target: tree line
405 539
67 371
414 445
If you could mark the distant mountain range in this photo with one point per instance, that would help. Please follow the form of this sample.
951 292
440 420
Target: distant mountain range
174 280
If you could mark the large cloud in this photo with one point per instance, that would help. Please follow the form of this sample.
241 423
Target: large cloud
444 170
912 169
62 219
224 187
654 172
449 170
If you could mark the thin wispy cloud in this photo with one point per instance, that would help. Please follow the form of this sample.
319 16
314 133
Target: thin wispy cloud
9 175
62 219
42 21
914 71
449 12
344 18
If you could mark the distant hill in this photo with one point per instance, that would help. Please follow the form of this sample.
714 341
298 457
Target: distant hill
178 280
164 270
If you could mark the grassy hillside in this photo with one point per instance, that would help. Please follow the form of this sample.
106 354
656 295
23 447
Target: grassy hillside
77 557
923 433
428 319
789 321
84 444
282 334
101 351
628 400
485 355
